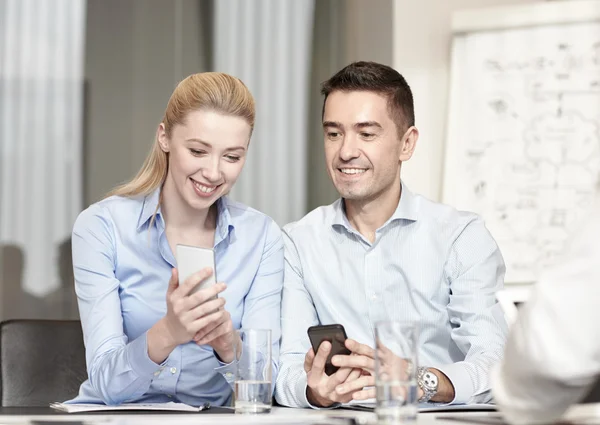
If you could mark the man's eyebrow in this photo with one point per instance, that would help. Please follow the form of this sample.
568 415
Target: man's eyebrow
365 124
333 124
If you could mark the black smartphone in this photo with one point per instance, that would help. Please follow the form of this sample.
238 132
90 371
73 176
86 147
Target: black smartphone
336 335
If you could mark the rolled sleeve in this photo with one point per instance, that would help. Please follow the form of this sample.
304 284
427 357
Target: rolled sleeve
460 378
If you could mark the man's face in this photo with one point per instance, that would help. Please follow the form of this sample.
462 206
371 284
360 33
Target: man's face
362 147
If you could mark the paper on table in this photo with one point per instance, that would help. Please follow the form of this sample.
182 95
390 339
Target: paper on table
458 408
424 408
180 407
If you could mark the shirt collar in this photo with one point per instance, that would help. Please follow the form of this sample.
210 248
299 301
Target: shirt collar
224 221
149 207
407 209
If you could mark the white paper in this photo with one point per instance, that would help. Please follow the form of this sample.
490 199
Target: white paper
458 408
74 408
425 407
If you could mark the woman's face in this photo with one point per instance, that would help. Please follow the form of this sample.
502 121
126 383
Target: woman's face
206 155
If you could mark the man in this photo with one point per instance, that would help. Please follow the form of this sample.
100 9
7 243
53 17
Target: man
553 352
381 252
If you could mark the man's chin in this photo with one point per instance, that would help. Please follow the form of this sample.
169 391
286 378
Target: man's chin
351 195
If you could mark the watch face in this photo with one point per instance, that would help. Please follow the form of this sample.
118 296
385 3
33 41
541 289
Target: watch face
430 381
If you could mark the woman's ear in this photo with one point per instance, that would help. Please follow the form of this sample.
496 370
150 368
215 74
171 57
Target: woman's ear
163 139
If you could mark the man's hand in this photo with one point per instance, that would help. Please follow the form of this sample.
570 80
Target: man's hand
363 359
321 389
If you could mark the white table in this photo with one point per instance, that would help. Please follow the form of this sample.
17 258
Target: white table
279 415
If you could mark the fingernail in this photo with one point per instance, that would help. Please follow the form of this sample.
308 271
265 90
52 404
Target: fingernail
340 390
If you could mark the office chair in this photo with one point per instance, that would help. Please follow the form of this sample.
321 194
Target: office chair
41 361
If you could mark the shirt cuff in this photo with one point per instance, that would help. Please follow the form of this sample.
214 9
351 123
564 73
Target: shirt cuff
461 381
227 370
139 360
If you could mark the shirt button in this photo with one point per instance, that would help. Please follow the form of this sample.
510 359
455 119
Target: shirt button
173 370
157 373
229 375
169 395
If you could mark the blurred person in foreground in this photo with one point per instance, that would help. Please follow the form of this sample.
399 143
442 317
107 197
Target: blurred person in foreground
552 356
147 339
382 252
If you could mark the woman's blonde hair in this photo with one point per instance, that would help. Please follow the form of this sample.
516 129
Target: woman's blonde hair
214 91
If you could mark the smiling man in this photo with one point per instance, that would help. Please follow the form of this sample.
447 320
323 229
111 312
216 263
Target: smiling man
383 253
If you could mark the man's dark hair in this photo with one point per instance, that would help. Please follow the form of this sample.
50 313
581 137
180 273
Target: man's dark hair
378 78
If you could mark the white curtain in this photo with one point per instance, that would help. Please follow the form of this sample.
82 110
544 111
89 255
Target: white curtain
41 101
267 44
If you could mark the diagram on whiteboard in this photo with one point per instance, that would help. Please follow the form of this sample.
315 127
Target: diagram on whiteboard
523 145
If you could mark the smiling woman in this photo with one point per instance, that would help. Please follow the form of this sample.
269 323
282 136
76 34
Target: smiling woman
147 337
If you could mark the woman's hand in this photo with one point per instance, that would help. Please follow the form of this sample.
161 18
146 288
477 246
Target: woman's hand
220 335
186 314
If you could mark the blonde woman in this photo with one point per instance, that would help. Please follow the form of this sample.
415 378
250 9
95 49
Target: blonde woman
147 338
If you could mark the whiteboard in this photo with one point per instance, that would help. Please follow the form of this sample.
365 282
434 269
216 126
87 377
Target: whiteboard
523 140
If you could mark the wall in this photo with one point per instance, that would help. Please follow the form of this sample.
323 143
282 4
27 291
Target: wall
345 31
422 39
136 52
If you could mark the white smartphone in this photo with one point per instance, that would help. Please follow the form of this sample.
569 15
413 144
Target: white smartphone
191 259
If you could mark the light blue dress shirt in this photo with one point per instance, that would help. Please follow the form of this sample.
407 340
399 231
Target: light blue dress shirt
122 269
429 263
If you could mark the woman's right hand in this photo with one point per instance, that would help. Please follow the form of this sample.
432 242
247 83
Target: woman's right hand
186 314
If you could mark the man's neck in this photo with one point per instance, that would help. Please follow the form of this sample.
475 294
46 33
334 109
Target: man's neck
367 216
179 215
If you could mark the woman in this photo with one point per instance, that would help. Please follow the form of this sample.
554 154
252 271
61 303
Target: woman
147 338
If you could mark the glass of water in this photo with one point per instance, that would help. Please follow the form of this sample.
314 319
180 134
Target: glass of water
253 371
396 371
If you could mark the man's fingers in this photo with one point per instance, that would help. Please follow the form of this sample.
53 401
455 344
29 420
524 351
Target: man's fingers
356 385
308 360
364 394
354 374
339 377
318 365
356 361
360 349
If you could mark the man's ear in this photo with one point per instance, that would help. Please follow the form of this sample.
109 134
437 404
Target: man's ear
408 143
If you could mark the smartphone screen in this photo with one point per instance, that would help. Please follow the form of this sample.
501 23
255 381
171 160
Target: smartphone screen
336 335
191 259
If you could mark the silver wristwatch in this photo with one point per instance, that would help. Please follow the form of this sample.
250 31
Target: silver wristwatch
428 382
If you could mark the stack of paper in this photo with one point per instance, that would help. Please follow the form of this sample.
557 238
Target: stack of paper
179 407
